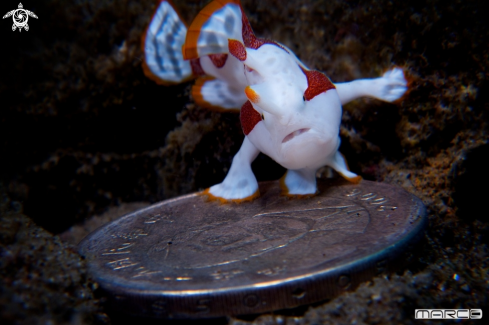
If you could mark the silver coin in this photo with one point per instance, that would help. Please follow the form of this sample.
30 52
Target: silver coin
190 258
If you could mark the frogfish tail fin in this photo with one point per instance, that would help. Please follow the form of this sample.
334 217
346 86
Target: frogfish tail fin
162 45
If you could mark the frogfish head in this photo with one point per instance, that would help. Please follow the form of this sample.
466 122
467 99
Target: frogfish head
275 83
300 108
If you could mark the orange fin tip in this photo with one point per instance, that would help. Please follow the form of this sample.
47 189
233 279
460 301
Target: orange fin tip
221 200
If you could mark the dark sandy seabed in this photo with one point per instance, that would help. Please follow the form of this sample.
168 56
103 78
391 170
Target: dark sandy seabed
84 133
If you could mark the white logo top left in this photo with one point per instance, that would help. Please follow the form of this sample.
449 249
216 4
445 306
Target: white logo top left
20 17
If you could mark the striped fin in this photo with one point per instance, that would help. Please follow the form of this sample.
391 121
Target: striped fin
162 47
217 95
208 34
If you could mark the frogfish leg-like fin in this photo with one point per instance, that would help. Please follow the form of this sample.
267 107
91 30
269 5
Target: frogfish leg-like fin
216 94
338 163
240 183
210 31
162 47
391 87
299 183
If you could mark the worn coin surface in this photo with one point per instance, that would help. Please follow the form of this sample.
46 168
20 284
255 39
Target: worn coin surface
190 258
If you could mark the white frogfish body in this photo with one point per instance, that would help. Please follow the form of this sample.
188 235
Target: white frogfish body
287 111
